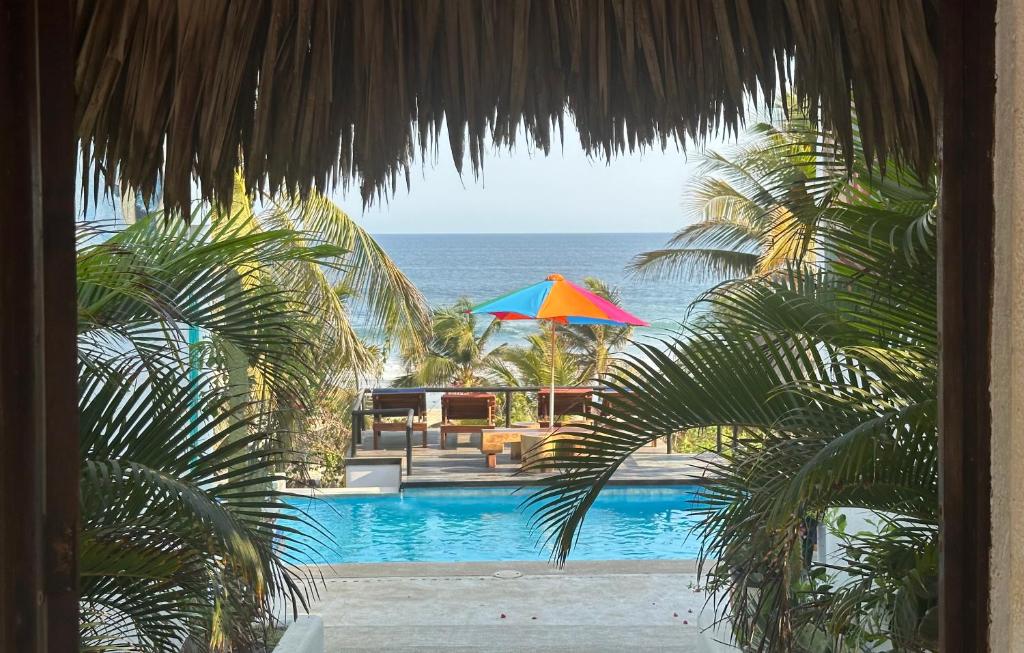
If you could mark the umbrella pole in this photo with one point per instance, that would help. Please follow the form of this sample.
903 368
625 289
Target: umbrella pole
551 397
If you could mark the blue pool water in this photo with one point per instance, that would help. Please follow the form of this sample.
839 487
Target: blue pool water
487 524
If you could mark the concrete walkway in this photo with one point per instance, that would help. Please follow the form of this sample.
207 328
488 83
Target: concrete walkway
591 606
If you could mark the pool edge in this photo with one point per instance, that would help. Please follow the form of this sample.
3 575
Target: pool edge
478 569
532 482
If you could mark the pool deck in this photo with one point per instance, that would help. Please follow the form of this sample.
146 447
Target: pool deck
589 606
639 605
465 465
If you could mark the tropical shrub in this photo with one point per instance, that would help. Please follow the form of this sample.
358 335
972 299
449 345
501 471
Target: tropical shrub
828 365
595 345
530 363
457 352
184 535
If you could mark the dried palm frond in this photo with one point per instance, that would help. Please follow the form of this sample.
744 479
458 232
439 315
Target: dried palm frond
313 93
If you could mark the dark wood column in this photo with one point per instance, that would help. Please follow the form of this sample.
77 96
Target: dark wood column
38 393
965 285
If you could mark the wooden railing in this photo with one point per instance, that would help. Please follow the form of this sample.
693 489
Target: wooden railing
506 391
360 411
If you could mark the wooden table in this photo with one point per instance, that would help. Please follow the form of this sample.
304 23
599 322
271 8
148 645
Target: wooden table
493 442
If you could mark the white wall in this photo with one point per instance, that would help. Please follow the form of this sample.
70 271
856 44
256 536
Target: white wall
1007 391
364 476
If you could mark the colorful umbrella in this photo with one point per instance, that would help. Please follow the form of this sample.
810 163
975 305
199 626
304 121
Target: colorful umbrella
560 302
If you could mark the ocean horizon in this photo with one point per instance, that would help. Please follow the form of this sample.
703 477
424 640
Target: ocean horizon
446 267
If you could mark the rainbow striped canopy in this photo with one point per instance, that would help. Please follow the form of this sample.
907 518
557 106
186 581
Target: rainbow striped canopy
560 301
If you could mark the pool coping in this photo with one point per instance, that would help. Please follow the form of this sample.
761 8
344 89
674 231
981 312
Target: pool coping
324 492
482 569
511 482
533 482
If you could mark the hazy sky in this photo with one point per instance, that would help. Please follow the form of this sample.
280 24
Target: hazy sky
526 192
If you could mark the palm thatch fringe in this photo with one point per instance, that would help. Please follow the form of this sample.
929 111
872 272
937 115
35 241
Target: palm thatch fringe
312 93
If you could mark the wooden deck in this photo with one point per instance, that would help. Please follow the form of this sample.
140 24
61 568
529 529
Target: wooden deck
466 465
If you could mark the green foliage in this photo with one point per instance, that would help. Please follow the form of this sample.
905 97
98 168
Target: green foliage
698 440
752 209
456 353
523 409
183 534
828 365
530 364
383 294
595 345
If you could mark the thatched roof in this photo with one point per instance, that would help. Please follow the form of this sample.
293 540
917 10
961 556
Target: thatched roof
310 93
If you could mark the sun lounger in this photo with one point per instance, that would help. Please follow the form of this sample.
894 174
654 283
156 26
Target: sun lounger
568 402
417 401
466 406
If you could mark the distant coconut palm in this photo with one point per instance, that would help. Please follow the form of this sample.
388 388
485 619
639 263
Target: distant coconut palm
594 345
751 209
456 353
529 364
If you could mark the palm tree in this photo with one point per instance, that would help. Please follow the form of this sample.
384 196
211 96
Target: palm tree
594 345
183 535
530 364
829 365
359 277
457 352
752 209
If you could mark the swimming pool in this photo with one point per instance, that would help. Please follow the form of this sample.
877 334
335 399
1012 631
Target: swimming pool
486 524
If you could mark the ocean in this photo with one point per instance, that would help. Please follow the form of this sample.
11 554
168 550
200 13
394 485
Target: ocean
446 267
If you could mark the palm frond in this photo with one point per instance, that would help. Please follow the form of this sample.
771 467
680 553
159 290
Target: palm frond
178 519
392 302
827 366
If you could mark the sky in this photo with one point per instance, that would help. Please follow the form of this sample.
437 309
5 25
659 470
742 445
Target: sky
525 192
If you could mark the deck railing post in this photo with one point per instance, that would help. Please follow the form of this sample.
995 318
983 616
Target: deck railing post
354 424
408 444
735 436
718 438
361 405
358 414
508 409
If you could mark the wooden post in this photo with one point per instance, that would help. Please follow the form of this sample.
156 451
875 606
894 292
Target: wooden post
357 418
408 443
966 225
38 389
